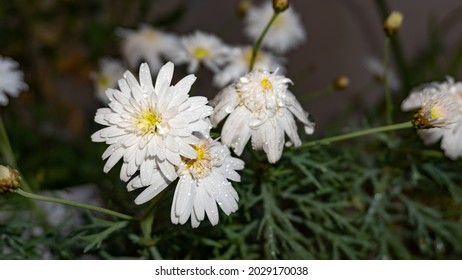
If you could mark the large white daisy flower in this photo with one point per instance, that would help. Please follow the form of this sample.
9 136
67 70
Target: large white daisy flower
203 183
239 65
110 71
11 80
451 133
151 126
204 48
285 33
262 108
147 44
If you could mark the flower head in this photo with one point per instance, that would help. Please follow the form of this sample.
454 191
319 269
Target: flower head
147 44
239 62
204 48
11 80
9 179
440 113
110 71
262 108
285 33
203 183
151 126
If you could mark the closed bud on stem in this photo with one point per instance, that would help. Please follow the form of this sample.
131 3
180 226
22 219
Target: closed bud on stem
9 179
280 5
243 7
393 23
341 82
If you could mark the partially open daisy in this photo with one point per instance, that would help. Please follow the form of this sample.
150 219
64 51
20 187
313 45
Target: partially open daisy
203 184
285 33
151 126
147 44
239 62
110 71
439 115
260 107
202 48
11 80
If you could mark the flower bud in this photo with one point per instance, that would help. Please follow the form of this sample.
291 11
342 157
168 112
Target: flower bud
280 5
9 179
341 82
243 7
393 23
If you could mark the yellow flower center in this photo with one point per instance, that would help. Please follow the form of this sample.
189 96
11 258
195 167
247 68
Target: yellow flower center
266 84
200 53
104 81
148 121
436 112
200 166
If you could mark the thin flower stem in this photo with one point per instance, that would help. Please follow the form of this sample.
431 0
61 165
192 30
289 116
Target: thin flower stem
73 203
5 146
260 40
388 97
360 133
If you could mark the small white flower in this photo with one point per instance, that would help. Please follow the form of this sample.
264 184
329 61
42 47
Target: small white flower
202 48
441 104
285 33
262 108
203 183
375 67
11 80
147 44
151 126
110 71
239 65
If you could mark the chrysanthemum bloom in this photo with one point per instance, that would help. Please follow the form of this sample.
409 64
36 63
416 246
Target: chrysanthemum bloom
203 183
11 80
239 63
110 71
147 44
202 48
262 108
285 33
151 126
439 115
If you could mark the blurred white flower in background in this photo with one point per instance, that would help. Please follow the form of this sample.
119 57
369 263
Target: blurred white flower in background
262 108
11 80
110 72
151 126
285 33
202 48
239 63
442 104
147 44
376 68
203 183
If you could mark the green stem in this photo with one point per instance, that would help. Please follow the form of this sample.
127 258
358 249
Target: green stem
388 97
360 133
73 203
260 40
5 146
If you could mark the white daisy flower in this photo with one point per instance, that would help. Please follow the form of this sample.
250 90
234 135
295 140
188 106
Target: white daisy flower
376 68
147 44
285 33
441 106
110 71
11 80
151 126
204 48
239 65
203 183
260 107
